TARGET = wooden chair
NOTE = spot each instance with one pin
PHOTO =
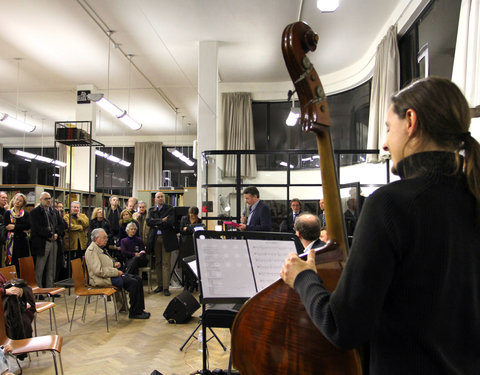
(87, 284)
(10, 272)
(85, 291)
(27, 273)
(51, 343)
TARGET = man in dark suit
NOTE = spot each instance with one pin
(287, 224)
(259, 217)
(307, 228)
(46, 227)
(162, 239)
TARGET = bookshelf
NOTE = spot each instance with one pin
(176, 197)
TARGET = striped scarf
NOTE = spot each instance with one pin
(11, 236)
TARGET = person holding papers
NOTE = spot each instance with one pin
(259, 217)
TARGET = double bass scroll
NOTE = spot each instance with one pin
(272, 333)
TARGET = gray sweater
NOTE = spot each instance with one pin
(411, 285)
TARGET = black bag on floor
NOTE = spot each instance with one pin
(181, 308)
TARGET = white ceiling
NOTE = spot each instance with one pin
(61, 47)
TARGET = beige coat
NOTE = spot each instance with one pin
(100, 266)
(78, 231)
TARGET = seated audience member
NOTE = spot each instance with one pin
(133, 250)
(187, 225)
(307, 228)
(98, 220)
(18, 319)
(126, 217)
(296, 209)
(103, 271)
(323, 234)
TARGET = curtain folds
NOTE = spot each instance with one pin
(466, 64)
(62, 156)
(385, 82)
(238, 125)
(147, 167)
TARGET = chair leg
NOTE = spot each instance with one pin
(54, 320)
(84, 314)
(73, 312)
(66, 306)
(114, 300)
(55, 362)
(35, 323)
(106, 316)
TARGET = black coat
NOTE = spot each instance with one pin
(40, 231)
(155, 222)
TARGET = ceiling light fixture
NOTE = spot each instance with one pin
(112, 158)
(15, 123)
(3, 164)
(28, 156)
(328, 5)
(294, 114)
(111, 108)
(180, 156)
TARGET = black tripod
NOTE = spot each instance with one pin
(204, 341)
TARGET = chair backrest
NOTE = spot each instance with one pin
(3, 331)
(9, 272)
(85, 272)
(77, 273)
(27, 271)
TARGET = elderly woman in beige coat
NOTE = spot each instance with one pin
(103, 270)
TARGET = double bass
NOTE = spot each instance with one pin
(272, 333)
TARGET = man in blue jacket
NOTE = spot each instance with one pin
(259, 217)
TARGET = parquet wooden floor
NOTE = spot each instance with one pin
(131, 347)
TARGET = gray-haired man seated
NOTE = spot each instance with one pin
(103, 270)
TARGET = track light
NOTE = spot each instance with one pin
(15, 123)
(180, 156)
(112, 158)
(114, 110)
(28, 156)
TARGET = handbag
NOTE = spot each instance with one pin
(10, 362)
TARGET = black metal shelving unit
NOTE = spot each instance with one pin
(74, 134)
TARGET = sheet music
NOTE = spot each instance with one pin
(225, 268)
(267, 259)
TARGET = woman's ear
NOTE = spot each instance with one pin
(411, 117)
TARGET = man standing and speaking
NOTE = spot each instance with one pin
(259, 217)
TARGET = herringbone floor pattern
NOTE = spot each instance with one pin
(132, 346)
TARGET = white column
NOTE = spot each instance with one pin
(207, 108)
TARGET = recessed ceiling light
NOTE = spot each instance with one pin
(328, 5)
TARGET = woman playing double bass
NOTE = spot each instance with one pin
(411, 284)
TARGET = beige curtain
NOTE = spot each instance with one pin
(385, 82)
(147, 168)
(62, 156)
(466, 64)
(238, 125)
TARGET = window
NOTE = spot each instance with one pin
(349, 112)
(428, 47)
(114, 178)
(26, 171)
(181, 174)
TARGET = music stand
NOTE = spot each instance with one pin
(224, 296)
(191, 262)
